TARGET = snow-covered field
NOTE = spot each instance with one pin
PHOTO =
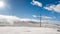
(28, 30)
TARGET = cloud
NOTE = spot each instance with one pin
(13, 20)
(47, 17)
(43, 17)
(55, 8)
(34, 16)
(36, 3)
(27, 19)
(8, 19)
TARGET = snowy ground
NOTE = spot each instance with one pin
(27, 30)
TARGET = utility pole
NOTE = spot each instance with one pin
(40, 19)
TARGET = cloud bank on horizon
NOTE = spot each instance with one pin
(15, 21)
(12, 19)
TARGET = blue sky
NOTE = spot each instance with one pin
(28, 9)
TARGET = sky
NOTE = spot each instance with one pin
(49, 9)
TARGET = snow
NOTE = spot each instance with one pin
(28, 30)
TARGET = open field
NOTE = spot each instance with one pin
(28, 30)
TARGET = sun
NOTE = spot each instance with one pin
(1, 4)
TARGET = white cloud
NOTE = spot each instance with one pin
(27, 19)
(47, 17)
(36, 3)
(43, 17)
(8, 19)
(13, 19)
(34, 16)
(55, 8)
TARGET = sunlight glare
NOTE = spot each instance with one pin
(1, 4)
